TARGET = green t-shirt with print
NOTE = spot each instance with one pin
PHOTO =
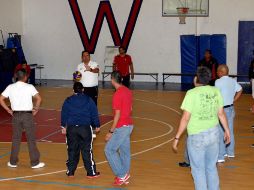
(203, 103)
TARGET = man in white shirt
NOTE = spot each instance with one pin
(21, 96)
(90, 73)
(231, 91)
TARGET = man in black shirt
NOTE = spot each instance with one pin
(210, 62)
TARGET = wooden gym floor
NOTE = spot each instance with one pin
(154, 165)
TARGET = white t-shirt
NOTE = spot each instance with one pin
(228, 88)
(20, 95)
(88, 79)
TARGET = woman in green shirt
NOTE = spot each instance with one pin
(202, 109)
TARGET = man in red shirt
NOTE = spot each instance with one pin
(123, 64)
(23, 65)
(117, 149)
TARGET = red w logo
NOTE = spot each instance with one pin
(105, 10)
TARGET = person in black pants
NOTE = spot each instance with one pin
(79, 113)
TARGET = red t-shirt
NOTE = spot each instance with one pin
(20, 66)
(122, 100)
(122, 64)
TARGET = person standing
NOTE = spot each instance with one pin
(79, 112)
(124, 65)
(202, 106)
(210, 62)
(21, 96)
(90, 73)
(231, 92)
(117, 149)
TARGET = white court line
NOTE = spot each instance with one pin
(102, 162)
(51, 119)
(99, 163)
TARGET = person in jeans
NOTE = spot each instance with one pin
(117, 149)
(21, 96)
(79, 112)
(231, 91)
(202, 106)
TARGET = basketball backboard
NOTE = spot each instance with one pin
(192, 8)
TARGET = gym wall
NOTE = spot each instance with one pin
(10, 17)
(51, 37)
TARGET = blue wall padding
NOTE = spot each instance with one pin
(219, 47)
(245, 47)
(189, 49)
(193, 49)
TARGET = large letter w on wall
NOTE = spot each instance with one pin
(105, 10)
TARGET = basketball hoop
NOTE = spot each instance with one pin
(182, 12)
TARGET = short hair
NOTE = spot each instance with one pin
(121, 47)
(85, 51)
(204, 75)
(208, 51)
(21, 74)
(115, 75)
(24, 62)
(78, 87)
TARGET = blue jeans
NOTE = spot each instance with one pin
(186, 155)
(118, 152)
(228, 149)
(203, 150)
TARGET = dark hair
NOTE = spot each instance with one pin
(121, 47)
(78, 87)
(204, 75)
(23, 62)
(208, 51)
(116, 76)
(85, 51)
(21, 74)
(252, 63)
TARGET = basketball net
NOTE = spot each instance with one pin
(182, 12)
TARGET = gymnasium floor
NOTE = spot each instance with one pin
(154, 165)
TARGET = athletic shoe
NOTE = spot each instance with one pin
(184, 164)
(40, 165)
(69, 174)
(225, 155)
(120, 181)
(231, 156)
(11, 165)
(221, 161)
(97, 174)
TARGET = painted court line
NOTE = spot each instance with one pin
(102, 162)
(99, 163)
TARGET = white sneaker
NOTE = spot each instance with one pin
(11, 165)
(231, 156)
(94, 136)
(225, 155)
(221, 161)
(40, 165)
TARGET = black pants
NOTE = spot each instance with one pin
(92, 92)
(79, 139)
(126, 81)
